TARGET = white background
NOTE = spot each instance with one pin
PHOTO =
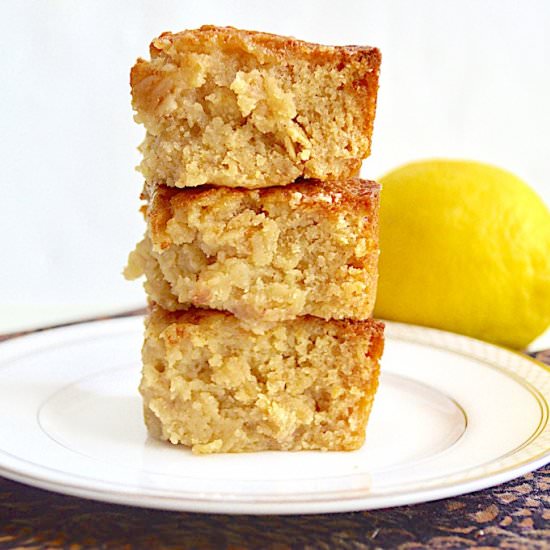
(463, 79)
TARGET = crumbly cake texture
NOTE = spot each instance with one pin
(265, 255)
(212, 385)
(238, 108)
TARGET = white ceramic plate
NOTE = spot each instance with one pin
(452, 415)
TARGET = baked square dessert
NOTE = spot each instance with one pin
(266, 255)
(237, 108)
(213, 385)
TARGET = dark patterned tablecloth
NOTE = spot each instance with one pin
(512, 515)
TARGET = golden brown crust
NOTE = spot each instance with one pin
(349, 190)
(353, 192)
(372, 327)
(269, 46)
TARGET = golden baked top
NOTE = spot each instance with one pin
(330, 196)
(265, 47)
(372, 328)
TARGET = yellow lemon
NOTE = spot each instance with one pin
(465, 247)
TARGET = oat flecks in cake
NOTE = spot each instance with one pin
(261, 247)
(238, 108)
(265, 255)
(212, 385)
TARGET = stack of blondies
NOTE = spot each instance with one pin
(261, 248)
